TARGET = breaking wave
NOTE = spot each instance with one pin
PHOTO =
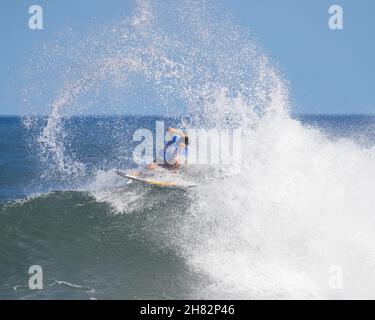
(302, 203)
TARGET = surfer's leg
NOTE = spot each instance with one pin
(177, 165)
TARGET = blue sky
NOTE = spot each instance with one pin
(329, 71)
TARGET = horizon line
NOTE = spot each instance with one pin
(160, 115)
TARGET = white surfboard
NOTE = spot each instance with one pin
(147, 181)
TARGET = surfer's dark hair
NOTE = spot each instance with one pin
(186, 140)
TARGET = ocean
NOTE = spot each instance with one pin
(99, 238)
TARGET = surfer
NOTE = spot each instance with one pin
(175, 152)
(172, 156)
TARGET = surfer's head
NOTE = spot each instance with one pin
(186, 140)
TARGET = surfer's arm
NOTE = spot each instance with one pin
(176, 131)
